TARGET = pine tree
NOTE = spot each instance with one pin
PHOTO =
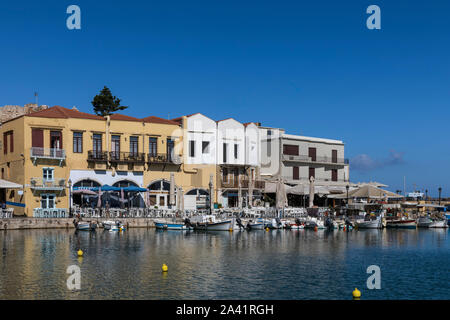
(106, 104)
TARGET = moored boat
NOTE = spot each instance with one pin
(424, 222)
(210, 223)
(438, 224)
(85, 226)
(171, 225)
(113, 226)
(401, 223)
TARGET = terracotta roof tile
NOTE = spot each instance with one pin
(59, 112)
(122, 117)
(153, 119)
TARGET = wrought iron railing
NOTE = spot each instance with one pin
(50, 213)
(126, 156)
(163, 158)
(44, 184)
(321, 159)
(94, 155)
(47, 153)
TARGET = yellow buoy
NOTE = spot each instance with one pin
(267, 229)
(164, 268)
(231, 229)
(356, 294)
(80, 252)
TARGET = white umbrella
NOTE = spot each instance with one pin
(172, 190)
(181, 198)
(281, 194)
(311, 191)
(239, 194)
(211, 191)
(250, 191)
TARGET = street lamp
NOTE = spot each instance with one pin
(70, 197)
(347, 187)
(426, 194)
(440, 190)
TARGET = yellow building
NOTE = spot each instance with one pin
(59, 153)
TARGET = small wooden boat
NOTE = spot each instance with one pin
(210, 223)
(370, 223)
(167, 225)
(113, 226)
(401, 223)
(85, 225)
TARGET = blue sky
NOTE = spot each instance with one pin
(311, 67)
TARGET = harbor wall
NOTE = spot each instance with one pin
(65, 223)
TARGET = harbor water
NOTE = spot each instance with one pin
(276, 264)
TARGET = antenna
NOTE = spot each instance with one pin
(37, 98)
(404, 185)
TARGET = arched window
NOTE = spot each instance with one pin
(197, 192)
(124, 184)
(160, 185)
(85, 184)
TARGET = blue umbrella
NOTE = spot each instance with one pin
(133, 189)
(107, 187)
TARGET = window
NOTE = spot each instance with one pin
(56, 140)
(334, 156)
(134, 145)
(205, 147)
(269, 143)
(153, 146)
(191, 148)
(97, 145)
(8, 138)
(77, 142)
(312, 173)
(115, 147)
(334, 175)
(236, 150)
(312, 154)
(225, 175)
(225, 149)
(290, 149)
(295, 173)
(47, 174)
(47, 201)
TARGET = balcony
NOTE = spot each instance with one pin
(127, 157)
(163, 158)
(320, 160)
(47, 153)
(47, 185)
(97, 156)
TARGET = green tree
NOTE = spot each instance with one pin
(106, 104)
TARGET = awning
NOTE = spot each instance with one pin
(4, 184)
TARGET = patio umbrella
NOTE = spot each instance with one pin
(239, 194)
(181, 198)
(211, 191)
(250, 192)
(99, 201)
(84, 191)
(172, 190)
(311, 191)
(122, 198)
(281, 194)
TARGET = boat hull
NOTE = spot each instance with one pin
(374, 224)
(402, 224)
(171, 226)
(214, 226)
(439, 224)
(256, 226)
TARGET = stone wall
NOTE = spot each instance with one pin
(9, 112)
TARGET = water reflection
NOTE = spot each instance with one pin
(279, 264)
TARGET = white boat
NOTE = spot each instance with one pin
(86, 226)
(370, 222)
(258, 224)
(210, 223)
(438, 224)
(171, 225)
(113, 225)
(402, 223)
(313, 223)
(276, 223)
(424, 222)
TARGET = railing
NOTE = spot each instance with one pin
(163, 158)
(94, 155)
(126, 156)
(321, 159)
(43, 184)
(47, 153)
(304, 179)
(234, 183)
(6, 213)
(50, 213)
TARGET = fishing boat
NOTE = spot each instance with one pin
(441, 223)
(85, 226)
(275, 223)
(210, 223)
(297, 225)
(403, 223)
(424, 222)
(370, 222)
(258, 224)
(113, 225)
(313, 223)
(171, 225)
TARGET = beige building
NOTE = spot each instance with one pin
(58, 152)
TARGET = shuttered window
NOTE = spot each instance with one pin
(290, 149)
(295, 173)
(312, 153)
(312, 172)
(77, 142)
